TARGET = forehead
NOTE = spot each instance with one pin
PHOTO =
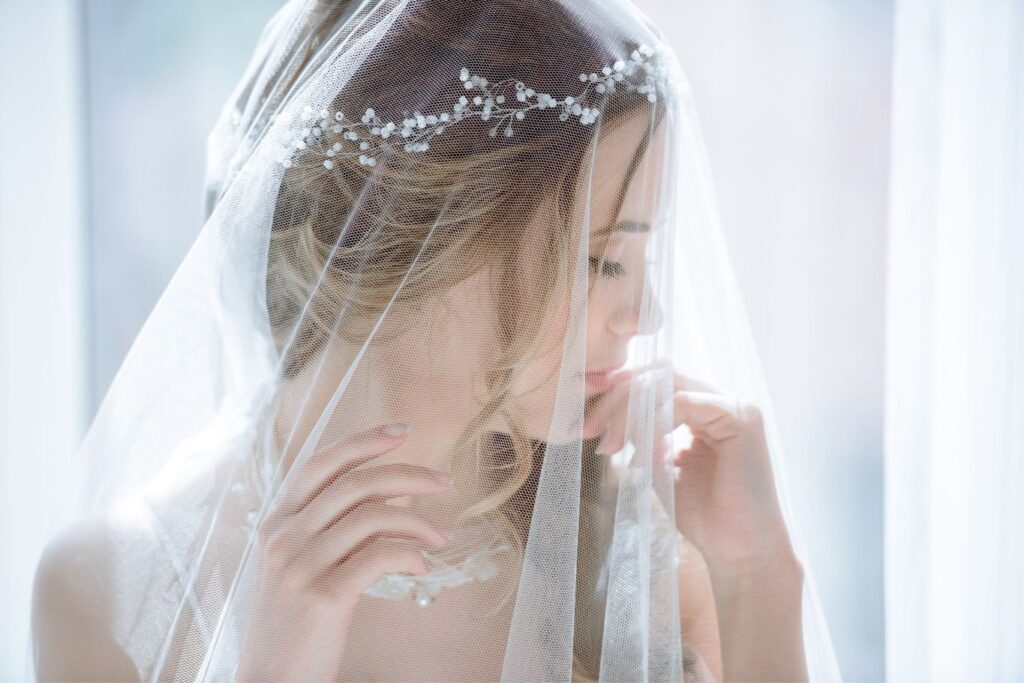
(613, 207)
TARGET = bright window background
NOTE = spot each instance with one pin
(794, 100)
(156, 76)
(104, 110)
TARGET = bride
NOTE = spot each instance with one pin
(410, 410)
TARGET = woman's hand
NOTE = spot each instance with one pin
(725, 497)
(325, 541)
(726, 505)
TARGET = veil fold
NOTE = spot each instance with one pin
(490, 224)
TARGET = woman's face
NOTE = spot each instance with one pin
(614, 315)
(431, 376)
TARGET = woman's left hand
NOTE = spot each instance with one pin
(725, 496)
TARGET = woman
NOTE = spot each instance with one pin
(415, 385)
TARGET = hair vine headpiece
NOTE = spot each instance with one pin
(337, 136)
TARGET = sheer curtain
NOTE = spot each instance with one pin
(43, 350)
(955, 358)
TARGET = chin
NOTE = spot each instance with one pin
(590, 429)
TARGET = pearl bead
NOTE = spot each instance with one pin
(604, 81)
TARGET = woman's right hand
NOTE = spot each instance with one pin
(329, 536)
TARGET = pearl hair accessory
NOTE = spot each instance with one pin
(336, 136)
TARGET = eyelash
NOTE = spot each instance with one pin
(611, 268)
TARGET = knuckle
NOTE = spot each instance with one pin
(277, 544)
(751, 412)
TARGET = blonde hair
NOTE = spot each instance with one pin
(337, 245)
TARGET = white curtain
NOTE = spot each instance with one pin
(955, 344)
(43, 268)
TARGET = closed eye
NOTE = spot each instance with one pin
(611, 268)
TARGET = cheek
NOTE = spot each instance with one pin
(538, 385)
(551, 344)
(539, 378)
(597, 318)
(599, 307)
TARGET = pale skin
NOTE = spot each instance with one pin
(743, 572)
(744, 576)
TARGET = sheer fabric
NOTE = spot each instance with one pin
(954, 442)
(491, 226)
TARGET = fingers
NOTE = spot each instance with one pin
(379, 556)
(683, 382)
(367, 521)
(378, 482)
(344, 516)
(614, 438)
(335, 459)
(709, 413)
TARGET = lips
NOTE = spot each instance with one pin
(600, 379)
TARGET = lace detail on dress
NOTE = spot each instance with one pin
(477, 566)
(480, 545)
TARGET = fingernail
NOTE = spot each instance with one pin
(397, 429)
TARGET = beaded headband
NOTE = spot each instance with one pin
(336, 136)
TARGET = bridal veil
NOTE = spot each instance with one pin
(490, 225)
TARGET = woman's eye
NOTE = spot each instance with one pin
(611, 268)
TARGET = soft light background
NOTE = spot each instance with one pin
(954, 436)
(104, 108)
(794, 102)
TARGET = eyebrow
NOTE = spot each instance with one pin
(625, 226)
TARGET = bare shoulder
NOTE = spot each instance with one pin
(82, 545)
(73, 567)
(70, 607)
